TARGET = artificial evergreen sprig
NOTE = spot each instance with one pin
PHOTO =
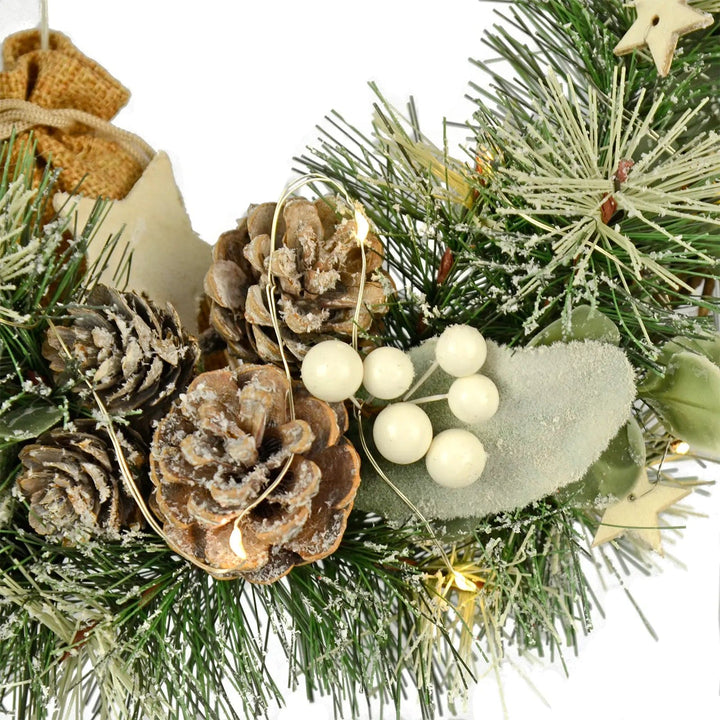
(603, 202)
(87, 627)
(430, 212)
(576, 39)
(41, 271)
(609, 141)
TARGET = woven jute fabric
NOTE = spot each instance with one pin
(67, 100)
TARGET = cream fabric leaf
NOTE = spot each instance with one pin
(559, 408)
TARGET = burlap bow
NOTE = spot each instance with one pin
(67, 100)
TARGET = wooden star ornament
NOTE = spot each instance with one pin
(658, 26)
(639, 511)
(169, 259)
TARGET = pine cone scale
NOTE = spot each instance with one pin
(330, 420)
(204, 487)
(74, 485)
(342, 462)
(255, 310)
(316, 541)
(237, 498)
(317, 266)
(223, 282)
(136, 354)
(300, 484)
(279, 526)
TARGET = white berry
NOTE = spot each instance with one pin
(456, 458)
(460, 350)
(473, 399)
(332, 371)
(389, 372)
(402, 433)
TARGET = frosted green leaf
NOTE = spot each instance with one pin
(615, 471)
(687, 399)
(584, 323)
(26, 423)
(709, 348)
(560, 406)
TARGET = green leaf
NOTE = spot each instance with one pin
(687, 399)
(709, 348)
(26, 423)
(585, 323)
(615, 472)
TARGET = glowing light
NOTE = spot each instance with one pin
(363, 226)
(484, 159)
(236, 543)
(680, 447)
(462, 583)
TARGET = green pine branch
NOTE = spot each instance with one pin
(127, 629)
(575, 39)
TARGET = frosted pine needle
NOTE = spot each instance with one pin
(708, 6)
(581, 166)
(417, 151)
(20, 257)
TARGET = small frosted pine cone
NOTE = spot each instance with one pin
(223, 444)
(73, 483)
(317, 266)
(137, 356)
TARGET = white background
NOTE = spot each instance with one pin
(232, 91)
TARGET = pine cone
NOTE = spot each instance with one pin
(317, 265)
(136, 355)
(224, 443)
(72, 481)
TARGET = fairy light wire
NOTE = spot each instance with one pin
(127, 475)
(403, 497)
(362, 227)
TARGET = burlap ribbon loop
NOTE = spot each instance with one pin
(21, 116)
(67, 100)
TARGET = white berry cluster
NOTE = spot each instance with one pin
(403, 434)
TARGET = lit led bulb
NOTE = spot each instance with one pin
(332, 371)
(460, 350)
(388, 373)
(402, 433)
(455, 459)
(473, 399)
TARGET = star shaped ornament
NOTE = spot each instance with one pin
(169, 259)
(659, 24)
(639, 512)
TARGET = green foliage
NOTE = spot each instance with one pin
(601, 201)
(90, 626)
(428, 212)
(129, 630)
(126, 629)
(560, 406)
(26, 423)
(586, 207)
(687, 397)
(615, 471)
(575, 39)
(584, 323)
(41, 271)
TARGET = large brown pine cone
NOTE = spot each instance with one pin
(317, 265)
(136, 355)
(72, 480)
(223, 444)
